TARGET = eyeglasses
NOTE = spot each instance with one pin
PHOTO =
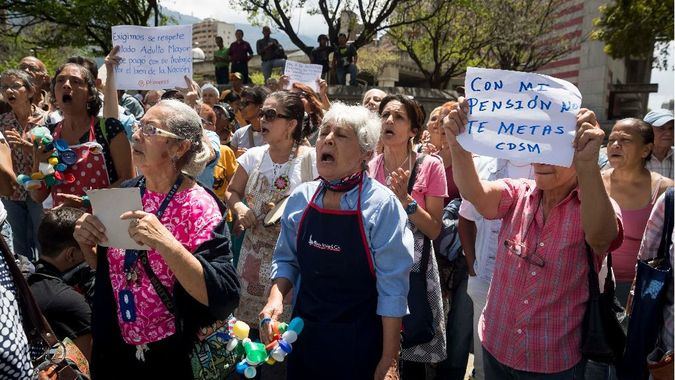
(151, 130)
(270, 114)
(13, 86)
(519, 250)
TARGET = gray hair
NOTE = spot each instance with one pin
(366, 124)
(183, 121)
(26, 79)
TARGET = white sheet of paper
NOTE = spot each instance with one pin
(305, 73)
(153, 58)
(525, 117)
(108, 205)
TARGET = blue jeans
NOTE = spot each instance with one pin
(267, 66)
(494, 370)
(341, 72)
(24, 218)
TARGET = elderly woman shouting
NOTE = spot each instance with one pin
(349, 270)
(149, 303)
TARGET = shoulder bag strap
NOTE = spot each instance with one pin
(426, 248)
(160, 289)
(666, 236)
(34, 321)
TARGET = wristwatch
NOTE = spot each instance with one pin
(411, 208)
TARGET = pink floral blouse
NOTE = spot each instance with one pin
(191, 217)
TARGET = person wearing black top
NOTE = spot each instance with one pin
(320, 54)
(271, 53)
(344, 60)
(66, 309)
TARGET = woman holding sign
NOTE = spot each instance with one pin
(635, 189)
(345, 249)
(88, 152)
(418, 180)
(149, 304)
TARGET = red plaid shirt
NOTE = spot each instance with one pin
(536, 303)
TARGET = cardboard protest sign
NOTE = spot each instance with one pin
(304, 73)
(153, 58)
(108, 205)
(525, 117)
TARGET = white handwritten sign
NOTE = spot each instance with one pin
(304, 73)
(153, 58)
(526, 117)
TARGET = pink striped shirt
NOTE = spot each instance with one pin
(533, 317)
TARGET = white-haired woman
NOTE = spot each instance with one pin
(149, 303)
(349, 269)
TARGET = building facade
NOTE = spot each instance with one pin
(204, 35)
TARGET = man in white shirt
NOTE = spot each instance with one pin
(661, 160)
(479, 238)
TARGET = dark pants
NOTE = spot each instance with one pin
(241, 68)
(494, 370)
(459, 326)
(222, 75)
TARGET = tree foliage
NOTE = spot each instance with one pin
(444, 45)
(76, 23)
(12, 49)
(631, 29)
(367, 17)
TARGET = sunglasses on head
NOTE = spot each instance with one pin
(151, 130)
(270, 114)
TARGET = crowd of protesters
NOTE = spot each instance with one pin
(365, 198)
(340, 56)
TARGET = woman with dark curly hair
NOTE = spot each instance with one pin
(98, 153)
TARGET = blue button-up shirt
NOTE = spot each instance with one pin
(389, 239)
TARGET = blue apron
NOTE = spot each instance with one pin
(337, 298)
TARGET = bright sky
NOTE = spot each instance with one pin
(222, 10)
(313, 25)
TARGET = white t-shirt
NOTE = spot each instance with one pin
(240, 138)
(260, 155)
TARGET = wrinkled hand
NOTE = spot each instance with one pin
(284, 82)
(323, 87)
(588, 139)
(429, 148)
(399, 184)
(387, 369)
(240, 151)
(49, 373)
(89, 231)
(273, 309)
(40, 154)
(245, 215)
(426, 136)
(147, 230)
(454, 122)
(16, 141)
(113, 60)
(70, 200)
(192, 93)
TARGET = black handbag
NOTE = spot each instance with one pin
(652, 280)
(603, 337)
(418, 326)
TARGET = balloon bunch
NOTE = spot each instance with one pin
(52, 172)
(255, 353)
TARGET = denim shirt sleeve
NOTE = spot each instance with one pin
(392, 246)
